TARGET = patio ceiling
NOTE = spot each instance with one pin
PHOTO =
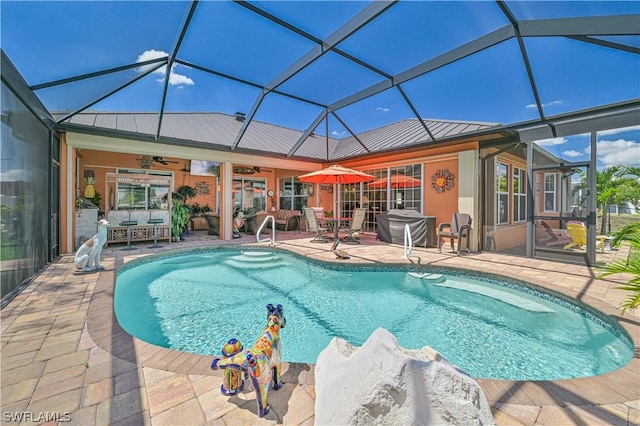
(334, 73)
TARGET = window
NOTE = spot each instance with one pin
(502, 193)
(519, 195)
(249, 195)
(294, 194)
(141, 197)
(549, 192)
(406, 187)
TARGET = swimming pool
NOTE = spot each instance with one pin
(195, 301)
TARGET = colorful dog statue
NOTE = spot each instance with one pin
(260, 363)
(87, 258)
(232, 383)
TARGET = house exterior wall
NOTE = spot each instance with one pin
(509, 235)
(461, 160)
(112, 149)
(442, 205)
(468, 190)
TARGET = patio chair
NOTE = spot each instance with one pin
(357, 223)
(554, 238)
(578, 234)
(319, 211)
(314, 225)
(457, 229)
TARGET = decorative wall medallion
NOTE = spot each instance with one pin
(442, 181)
(202, 188)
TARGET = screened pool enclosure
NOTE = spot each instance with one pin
(328, 76)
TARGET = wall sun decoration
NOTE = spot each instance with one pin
(442, 180)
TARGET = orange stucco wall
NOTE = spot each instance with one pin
(102, 163)
(441, 205)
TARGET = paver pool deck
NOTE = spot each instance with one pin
(64, 357)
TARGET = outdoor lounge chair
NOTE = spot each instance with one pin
(357, 223)
(314, 225)
(456, 230)
(554, 238)
(578, 234)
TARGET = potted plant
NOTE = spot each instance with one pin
(180, 212)
(184, 193)
(179, 219)
(196, 210)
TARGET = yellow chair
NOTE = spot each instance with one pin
(578, 234)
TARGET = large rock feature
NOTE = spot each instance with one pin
(383, 384)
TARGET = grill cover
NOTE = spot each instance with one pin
(390, 227)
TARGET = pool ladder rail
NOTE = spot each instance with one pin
(273, 230)
(408, 242)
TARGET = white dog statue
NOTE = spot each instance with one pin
(87, 258)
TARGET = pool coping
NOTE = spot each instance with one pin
(618, 386)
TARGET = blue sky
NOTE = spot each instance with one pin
(53, 40)
(613, 147)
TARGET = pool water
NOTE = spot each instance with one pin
(196, 302)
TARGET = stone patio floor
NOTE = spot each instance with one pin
(65, 359)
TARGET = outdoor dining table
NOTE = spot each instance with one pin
(336, 223)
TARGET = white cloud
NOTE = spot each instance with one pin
(338, 134)
(13, 175)
(616, 131)
(551, 142)
(572, 153)
(619, 152)
(149, 55)
(175, 79)
(382, 109)
(534, 106)
(180, 80)
(18, 175)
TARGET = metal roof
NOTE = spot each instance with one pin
(218, 131)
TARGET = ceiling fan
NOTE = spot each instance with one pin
(163, 161)
(146, 161)
(249, 170)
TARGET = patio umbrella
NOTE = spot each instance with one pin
(336, 174)
(397, 181)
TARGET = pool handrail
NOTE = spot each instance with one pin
(407, 239)
(273, 230)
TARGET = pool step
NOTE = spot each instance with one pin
(432, 278)
(256, 257)
(503, 296)
(254, 260)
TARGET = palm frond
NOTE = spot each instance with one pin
(622, 267)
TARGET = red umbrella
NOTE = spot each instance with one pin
(336, 174)
(397, 181)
